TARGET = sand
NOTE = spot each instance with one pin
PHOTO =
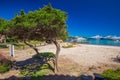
(88, 55)
(89, 58)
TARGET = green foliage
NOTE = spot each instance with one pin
(3, 46)
(44, 55)
(68, 46)
(40, 75)
(30, 69)
(112, 74)
(43, 72)
(4, 25)
(41, 24)
(54, 22)
(4, 66)
(9, 40)
(45, 66)
(35, 70)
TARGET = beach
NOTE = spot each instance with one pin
(87, 55)
(98, 57)
(77, 60)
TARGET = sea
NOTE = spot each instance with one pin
(106, 42)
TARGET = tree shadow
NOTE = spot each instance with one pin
(32, 65)
(28, 62)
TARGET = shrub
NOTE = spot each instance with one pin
(5, 64)
(3, 46)
(35, 70)
(40, 75)
(44, 55)
(10, 40)
(42, 72)
(4, 67)
(112, 74)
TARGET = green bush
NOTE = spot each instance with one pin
(40, 75)
(10, 40)
(3, 46)
(4, 67)
(35, 70)
(43, 72)
(44, 55)
(112, 74)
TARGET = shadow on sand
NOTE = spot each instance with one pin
(33, 63)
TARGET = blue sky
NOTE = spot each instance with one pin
(85, 17)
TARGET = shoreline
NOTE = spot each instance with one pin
(91, 44)
(100, 45)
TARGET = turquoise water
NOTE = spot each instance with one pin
(93, 41)
(104, 42)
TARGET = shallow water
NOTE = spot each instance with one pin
(104, 42)
(109, 42)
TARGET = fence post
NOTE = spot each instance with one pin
(12, 50)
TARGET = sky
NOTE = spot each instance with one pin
(85, 17)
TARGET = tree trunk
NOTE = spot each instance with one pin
(30, 45)
(56, 56)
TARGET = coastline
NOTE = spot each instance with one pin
(100, 45)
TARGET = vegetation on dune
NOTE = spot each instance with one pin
(112, 74)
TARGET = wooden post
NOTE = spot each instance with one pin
(12, 50)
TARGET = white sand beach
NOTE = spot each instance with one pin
(89, 58)
(87, 55)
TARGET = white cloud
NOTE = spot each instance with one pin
(97, 37)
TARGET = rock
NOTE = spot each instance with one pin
(118, 58)
(27, 77)
(85, 77)
(98, 77)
